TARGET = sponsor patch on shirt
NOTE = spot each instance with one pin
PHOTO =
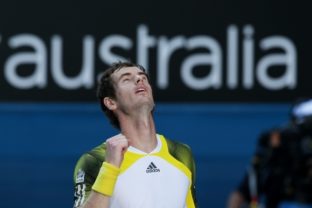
(152, 168)
(80, 176)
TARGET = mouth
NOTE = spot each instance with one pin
(140, 90)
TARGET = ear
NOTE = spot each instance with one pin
(110, 103)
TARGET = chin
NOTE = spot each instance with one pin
(149, 104)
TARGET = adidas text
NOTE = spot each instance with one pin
(152, 170)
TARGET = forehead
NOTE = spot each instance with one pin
(125, 70)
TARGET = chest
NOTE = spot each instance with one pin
(151, 181)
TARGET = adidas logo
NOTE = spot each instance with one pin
(152, 168)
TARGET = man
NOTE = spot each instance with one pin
(269, 173)
(282, 165)
(136, 168)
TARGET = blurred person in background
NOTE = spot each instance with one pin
(280, 174)
(138, 167)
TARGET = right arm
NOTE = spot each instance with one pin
(101, 189)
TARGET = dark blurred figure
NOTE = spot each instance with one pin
(280, 174)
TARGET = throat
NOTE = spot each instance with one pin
(145, 148)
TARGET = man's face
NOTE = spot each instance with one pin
(132, 89)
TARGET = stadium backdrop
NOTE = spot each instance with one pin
(222, 71)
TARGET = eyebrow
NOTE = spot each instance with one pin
(124, 75)
(129, 74)
(142, 73)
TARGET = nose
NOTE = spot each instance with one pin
(138, 79)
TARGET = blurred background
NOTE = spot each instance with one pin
(222, 72)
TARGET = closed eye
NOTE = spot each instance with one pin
(143, 75)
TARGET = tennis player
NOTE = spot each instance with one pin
(136, 168)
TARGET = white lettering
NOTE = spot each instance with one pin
(289, 59)
(242, 68)
(85, 78)
(232, 57)
(213, 79)
(248, 57)
(144, 42)
(110, 42)
(37, 57)
(165, 50)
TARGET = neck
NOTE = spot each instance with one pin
(140, 131)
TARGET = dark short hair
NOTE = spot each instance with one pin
(106, 88)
